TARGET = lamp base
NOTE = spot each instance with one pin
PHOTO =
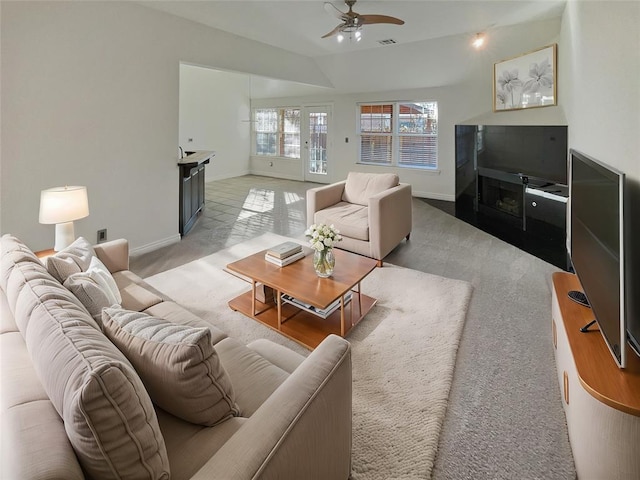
(64, 236)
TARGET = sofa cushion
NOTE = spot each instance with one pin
(73, 259)
(361, 186)
(254, 378)
(174, 313)
(177, 364)
(190, 446)
(136, 294)
(351, 219)
(107, 413)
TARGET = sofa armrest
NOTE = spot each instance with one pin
(114, 254)
(322, 197)
(390, 219)
(303, 430)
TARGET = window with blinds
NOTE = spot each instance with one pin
(399, 134)
(277, 132)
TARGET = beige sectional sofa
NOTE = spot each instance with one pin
(73, 405)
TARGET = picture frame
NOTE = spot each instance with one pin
(526, 81)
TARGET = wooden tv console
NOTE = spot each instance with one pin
(600, 400)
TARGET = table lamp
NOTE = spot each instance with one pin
(63, 205)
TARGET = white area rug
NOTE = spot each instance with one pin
(403, 353)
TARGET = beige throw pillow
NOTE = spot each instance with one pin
(177, 363)
(73, 259)
(360, 186)
(96, 289)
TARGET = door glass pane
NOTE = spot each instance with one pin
(318, 143)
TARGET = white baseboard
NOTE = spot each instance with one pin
(434, 196)
(270, 173)
(150, 247)
(215, 178)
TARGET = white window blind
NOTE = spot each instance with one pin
(376, 123)
(277, 132)
(401, 133)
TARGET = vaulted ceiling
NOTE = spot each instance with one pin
(298, 25)
(431, 49)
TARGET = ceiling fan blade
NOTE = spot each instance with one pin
(371, 19)
(333, 32)
(331, 9)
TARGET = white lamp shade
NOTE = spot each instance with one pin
(63, 204)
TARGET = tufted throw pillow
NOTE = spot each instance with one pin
(73, 259)
(177, 363)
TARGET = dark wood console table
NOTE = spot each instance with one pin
(192, 187)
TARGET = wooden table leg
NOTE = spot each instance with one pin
(342, 316)
(279, 305)
(253, 298)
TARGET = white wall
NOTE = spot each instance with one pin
(601, 87)
(214, 114)
(470, 97)
(600, 81)
(90, 96)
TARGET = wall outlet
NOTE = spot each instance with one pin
(102, 235)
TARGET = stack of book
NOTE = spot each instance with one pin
(320, 312)
(284, 254)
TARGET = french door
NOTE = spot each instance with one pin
(315, 142)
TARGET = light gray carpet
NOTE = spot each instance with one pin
(403, 353)
(505, 417)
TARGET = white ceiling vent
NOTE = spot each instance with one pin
(388, 41)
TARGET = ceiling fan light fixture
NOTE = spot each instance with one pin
(340, 38)
(352, 22)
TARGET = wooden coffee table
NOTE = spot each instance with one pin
(300, 281)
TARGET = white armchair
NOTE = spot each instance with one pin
(372, 212)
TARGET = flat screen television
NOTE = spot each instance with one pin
(596, 193)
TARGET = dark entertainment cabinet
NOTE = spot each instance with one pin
(511, 182)
(192, 189)
(519, 200)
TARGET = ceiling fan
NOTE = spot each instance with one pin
(352, 22)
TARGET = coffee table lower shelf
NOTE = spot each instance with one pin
(301, 326)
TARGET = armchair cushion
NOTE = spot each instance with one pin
(361, 186)
(350, 219)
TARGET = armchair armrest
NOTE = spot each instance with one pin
(322, 197)
(390, 219)
(114, 254)
(303, 430)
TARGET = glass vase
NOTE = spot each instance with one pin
(324, 262)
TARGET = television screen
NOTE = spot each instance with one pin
(596, 195)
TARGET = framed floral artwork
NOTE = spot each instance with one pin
(526, 81)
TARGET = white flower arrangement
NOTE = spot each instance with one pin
(323, 237)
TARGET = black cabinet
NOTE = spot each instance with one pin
(191, 194)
